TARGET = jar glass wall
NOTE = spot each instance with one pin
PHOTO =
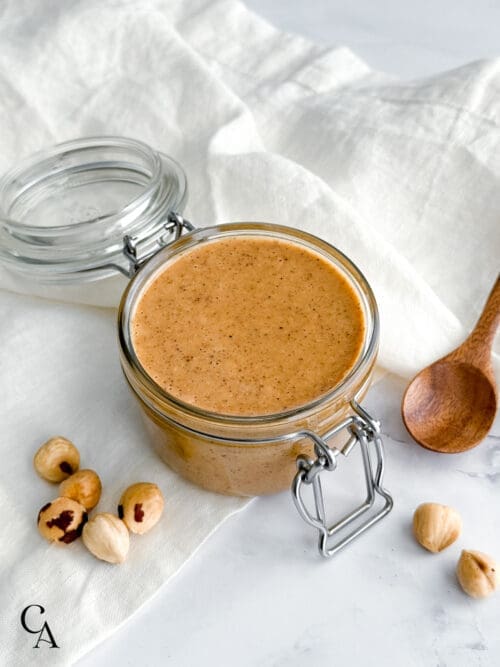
(230, 454)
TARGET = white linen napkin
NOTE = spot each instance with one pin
(403, 177)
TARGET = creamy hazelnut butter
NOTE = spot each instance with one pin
(233, 338)
(248, 326)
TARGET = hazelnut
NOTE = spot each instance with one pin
(141, 506)
(107, 538)
(84, 487)
(477, 573)
(56, 459)
(436, 526)
(61, 520)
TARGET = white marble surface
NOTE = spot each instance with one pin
(257, 594)
(409, 39)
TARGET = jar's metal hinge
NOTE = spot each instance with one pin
(139, 250)
(362, 429)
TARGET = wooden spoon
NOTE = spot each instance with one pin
(450, 406)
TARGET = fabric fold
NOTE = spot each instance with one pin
(401, 176)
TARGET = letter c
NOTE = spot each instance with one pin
(23, 618)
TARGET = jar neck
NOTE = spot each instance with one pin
(320, 417)
(158, 400)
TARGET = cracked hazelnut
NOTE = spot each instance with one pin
(62, 520)
(84, 487)
(57, 459)
(107, 538)
(477, 574)
(141, 507)
(436, 526)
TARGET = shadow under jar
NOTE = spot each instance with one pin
(85, 219)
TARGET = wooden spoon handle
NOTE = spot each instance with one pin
(478, 345)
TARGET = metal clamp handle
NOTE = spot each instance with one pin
(170, 232)
(361, 429)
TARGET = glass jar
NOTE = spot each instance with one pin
(77, 222)
(184, 434)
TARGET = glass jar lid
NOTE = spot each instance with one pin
(66, 213)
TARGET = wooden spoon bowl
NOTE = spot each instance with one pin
(456, 417)
(450, 406)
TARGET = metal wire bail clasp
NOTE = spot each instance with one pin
(362, 429)
(171, 230)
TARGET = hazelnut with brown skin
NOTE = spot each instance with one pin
(56, 459)
(107, 538)
(84, 486)
(141, 507)
(62, 520)
(478, 574)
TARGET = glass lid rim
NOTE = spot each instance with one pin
(366, 358)
(87, 143)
